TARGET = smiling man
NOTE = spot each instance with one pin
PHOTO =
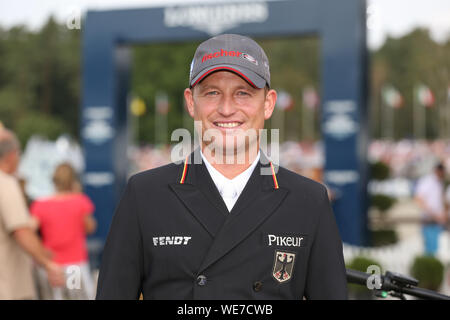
(224, 228)
(229, 111)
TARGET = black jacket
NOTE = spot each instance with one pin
(173, 240)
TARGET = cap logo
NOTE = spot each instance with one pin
(250, 58)
(219, 54)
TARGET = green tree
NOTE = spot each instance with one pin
(405, 62)
(39, 79)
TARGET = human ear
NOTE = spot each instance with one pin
(269, 103)
(189, 98)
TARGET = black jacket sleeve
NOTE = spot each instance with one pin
(121, 270)
(326, 277)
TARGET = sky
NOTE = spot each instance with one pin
(385, 17)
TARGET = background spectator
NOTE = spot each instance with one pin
(430, 198)
(64, 220)
(18, 241)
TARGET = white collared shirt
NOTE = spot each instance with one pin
(230, 189)
(431, 190)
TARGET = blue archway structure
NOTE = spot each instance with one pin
(341, 28)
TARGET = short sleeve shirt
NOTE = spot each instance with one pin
(431, 191)
(16, 280)
(62, 228)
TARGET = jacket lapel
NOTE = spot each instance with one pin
(207, 186)
(201, 197)
(258, 201)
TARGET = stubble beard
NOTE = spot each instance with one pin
(233, 149)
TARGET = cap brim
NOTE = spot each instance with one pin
(251, 77)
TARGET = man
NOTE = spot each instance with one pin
(429, 196)
(224, 229)
(18, 240)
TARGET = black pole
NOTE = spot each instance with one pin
(397, 283)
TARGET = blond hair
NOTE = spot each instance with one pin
(65, 177)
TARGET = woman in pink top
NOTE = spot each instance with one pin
(65, 219)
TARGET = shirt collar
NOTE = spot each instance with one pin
(237, 182)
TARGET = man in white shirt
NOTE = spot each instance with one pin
(429, 195)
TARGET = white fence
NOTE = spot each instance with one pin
(400, 256)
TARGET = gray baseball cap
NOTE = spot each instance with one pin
(234, 53)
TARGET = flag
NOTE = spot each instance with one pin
(392, 97)
(284, 101)
(424, 95)
(137, 107)
(310, 98)
(162, 103)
